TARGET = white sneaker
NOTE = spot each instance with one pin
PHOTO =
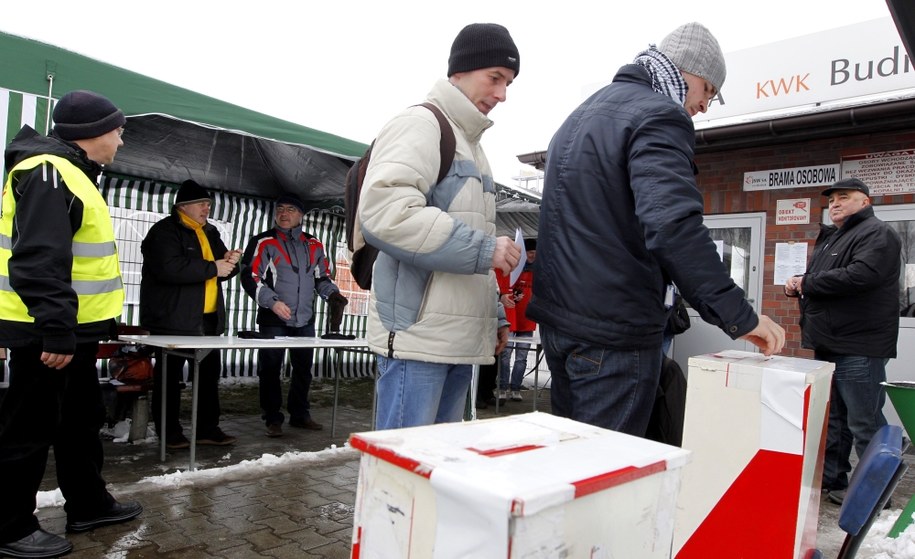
(516, 396)
(502, 395)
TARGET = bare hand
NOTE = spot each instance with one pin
(502, 340)
(56, 360)
(794, 286)
(506, 255)
(233, 256)
(224, 268)
(507, 301)
(767, 336)
(281, 310)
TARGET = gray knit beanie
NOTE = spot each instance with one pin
(693, 49)
(483, 45)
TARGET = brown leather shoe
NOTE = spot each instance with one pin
(216, 438)
(177, 442)
(309, 424)
(274, 430)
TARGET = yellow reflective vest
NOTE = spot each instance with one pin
(96, 274)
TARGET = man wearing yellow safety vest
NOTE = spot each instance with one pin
(60, 291)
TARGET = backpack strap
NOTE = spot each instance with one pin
(448, 143)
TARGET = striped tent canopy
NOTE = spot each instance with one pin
(173, 133)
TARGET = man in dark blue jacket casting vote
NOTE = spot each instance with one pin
(621, 220)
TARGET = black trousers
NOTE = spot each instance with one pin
(46, 408)
(269, 364)
(207, 393)
(487, 381)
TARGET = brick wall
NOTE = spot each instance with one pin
(720, 180)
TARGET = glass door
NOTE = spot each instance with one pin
(740, 242)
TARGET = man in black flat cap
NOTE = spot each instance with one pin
(60, 291)
(184, 263)
(849, 302)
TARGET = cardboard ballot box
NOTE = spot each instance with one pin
(757, 430)
(530, 485)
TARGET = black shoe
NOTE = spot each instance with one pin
(215, 438)
(117, 513)
(482, 405)
(37, 544)
(309, 424)
(836, 496)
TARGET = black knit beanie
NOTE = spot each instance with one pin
(85, 114)
(483, 45)
(191, 192)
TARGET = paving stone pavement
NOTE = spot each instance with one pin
(289, 510)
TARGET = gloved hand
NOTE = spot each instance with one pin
(338, 298)
(337, 303)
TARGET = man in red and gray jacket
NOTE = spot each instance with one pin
(282, 268)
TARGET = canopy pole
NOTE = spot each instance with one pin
(47, 122)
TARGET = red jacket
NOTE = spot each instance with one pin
(518, 315)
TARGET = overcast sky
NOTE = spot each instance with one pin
(346, 67)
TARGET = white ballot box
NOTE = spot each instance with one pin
(530, 485)
(757, 429)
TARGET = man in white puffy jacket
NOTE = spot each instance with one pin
(433, 312)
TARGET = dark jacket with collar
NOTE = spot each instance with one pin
(850, 302)
(621, 217)
(173, 285)
(47, 217)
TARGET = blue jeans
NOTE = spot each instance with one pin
(414, 393)
(520, 363)
(855, 412)
(269, 364)
(609, 388)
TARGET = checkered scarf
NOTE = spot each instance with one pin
(666, 79)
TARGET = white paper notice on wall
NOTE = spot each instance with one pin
(790, 260)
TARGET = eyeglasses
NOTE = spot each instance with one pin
(286, 209)
(120, 131)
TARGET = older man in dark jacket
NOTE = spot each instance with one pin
(184, 263)
(849, 301)
(621, 219)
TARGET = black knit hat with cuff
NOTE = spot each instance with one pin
(83, 114)
(483, 45)
(191, 192)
